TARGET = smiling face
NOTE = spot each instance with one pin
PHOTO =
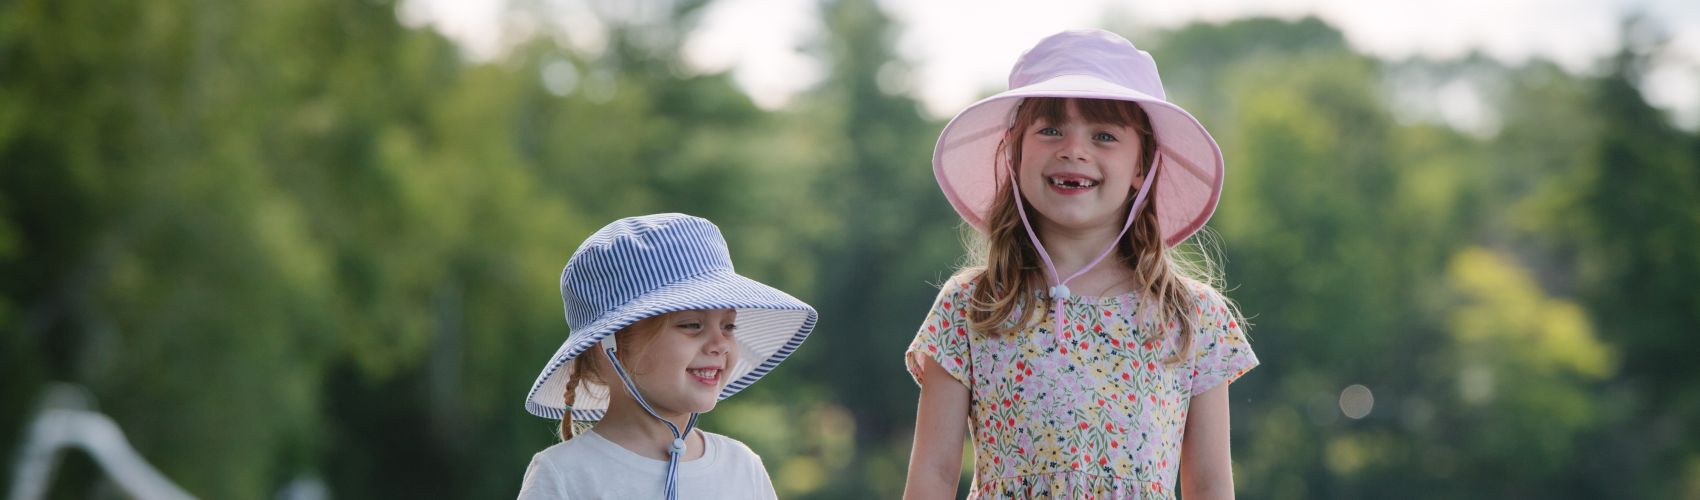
(1078, 170)
(683, 366)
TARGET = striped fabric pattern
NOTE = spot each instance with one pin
(639, 267)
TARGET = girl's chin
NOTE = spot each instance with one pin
(703, 404)
(1082, 222)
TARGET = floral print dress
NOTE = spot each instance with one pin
(1090, 411)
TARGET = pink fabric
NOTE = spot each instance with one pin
(1093, 410)
(1091, 64)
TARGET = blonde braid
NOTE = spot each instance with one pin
(634, 340)
(583, 367)
(567, 418)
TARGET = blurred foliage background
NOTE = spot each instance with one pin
(299, 239)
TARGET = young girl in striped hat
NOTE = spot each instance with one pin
(661, 330)
(1081, 357)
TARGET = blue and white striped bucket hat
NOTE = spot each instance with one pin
(638, 267)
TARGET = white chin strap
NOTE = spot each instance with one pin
(678, 445)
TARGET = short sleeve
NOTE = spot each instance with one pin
(1220, 351)
(943, 335)
(542, 481)
(763, 484)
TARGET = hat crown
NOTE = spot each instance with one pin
(634, 256)
(1095, 53)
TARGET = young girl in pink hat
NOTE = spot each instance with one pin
(1080, 355)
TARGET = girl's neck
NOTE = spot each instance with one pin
(627, 425)
(1071, 250)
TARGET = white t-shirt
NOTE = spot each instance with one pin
(589, 466)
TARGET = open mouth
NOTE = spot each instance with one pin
(708, 376)
(1070, 182)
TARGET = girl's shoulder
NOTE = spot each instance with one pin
(961, 282)
(586, 443)
(732, 447)
(1204, 292)
(962, 278)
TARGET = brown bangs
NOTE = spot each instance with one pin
(1102, 111)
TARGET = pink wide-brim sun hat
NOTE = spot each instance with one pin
(1085, 64)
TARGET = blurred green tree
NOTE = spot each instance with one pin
(302, 239)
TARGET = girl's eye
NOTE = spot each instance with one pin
(692, 326)
(1050, 131)
(730, 327)
(1104, 137)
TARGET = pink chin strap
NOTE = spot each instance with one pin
(1059, 288)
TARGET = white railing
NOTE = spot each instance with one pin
(65, 422)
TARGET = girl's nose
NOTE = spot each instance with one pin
(720, 343)
(1072, 149)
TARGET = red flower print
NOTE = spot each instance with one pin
(1150, 366)
(1067, 335)
(947, 305)
(947, 323)
(961, 332)
(932, 329)
(1109, 427)
(1018, 378)
(1064, 350)
(1126, 376)
(1098, 328)
(1083, 344)
(996, 460)
(1115, 342)
(1071, 449)
(933, 349)
(1114, 444)
(1082, 427)
(1233, 324)
(1020, 365)
(1079, 327)
(1106, 313)
(1103, 461)
(1006, 402)
(1100, 401)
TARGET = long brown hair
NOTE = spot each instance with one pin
(1004, 266)
(588, 366)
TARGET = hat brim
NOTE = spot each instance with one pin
(964, 161)
(771, 325)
